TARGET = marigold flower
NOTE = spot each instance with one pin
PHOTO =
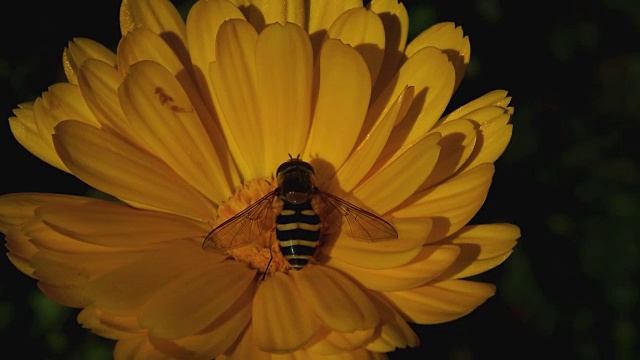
(185, 126)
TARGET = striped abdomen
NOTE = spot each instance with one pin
(298, 231)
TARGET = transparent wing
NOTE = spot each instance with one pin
(359, 223)
(239, 229)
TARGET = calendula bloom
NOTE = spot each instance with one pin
(185, 126)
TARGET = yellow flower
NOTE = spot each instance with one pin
(186, 121)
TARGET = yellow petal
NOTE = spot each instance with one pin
(62, 102)
(341, 105)
(335, 343)
(196, 298)
(159, 16)
(99, 84)
(440, 302)
(108, 325)
(394, 332)
(137, 347)
(158, 108)
(284, 67)
(112, 224)
(412, 233)
(246, 348)
(120, 283)
(203, 21)
(399, 179)
(81, 49)
(482, 247)
(448, 38)
(451, 204)
(432, 75)
(233, 79)
(282, 318)
(430, 262)
(493, 137)
(266, 12)
(24, 129)
(395, 19)
(216, 337)
(323, 13)
(495, 97)
(371, 145)
(362, 30)
(457, 145)
(111, 165)
(349, 309)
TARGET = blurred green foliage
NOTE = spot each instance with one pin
(568, 179)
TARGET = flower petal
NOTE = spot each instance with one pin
(451, 204)
(341, 106)
(284, 67)
(81, 49)
(267, 12)
(116, 225)
(24, 129)
(493, 135)
(482, 247)
(137, 347)
(430, 262)
(203, 22)
(362, 30)
(448, 38)
(370, 145)
(440, 302)
(158, 108)
(496, 98)
(117, 168)
(233, 79)
(282, 320)
(399, 178)
(395, 19)
(216, 337)
(329, 342)
(196, 298)
(349, 308)
(159, 16)
(108, 325)
(99, 84)
(322, 14)
(432, 75)
(394, 332)
(412, 233)
(457, 144)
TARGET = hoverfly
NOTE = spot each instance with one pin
(297, 223)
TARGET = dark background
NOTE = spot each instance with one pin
(568, 178)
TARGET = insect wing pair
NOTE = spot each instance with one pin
(260, 216)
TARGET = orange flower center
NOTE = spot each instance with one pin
(250, 236)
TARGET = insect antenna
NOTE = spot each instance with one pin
(266, 269)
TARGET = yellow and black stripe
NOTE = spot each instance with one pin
(298, 231)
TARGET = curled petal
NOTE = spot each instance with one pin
(81, 49)
(482, 247)
(448, 38)
(451, 204)
(430, 262)
(440, 302)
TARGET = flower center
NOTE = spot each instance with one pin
(249, 235)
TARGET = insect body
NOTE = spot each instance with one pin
(297, 223)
